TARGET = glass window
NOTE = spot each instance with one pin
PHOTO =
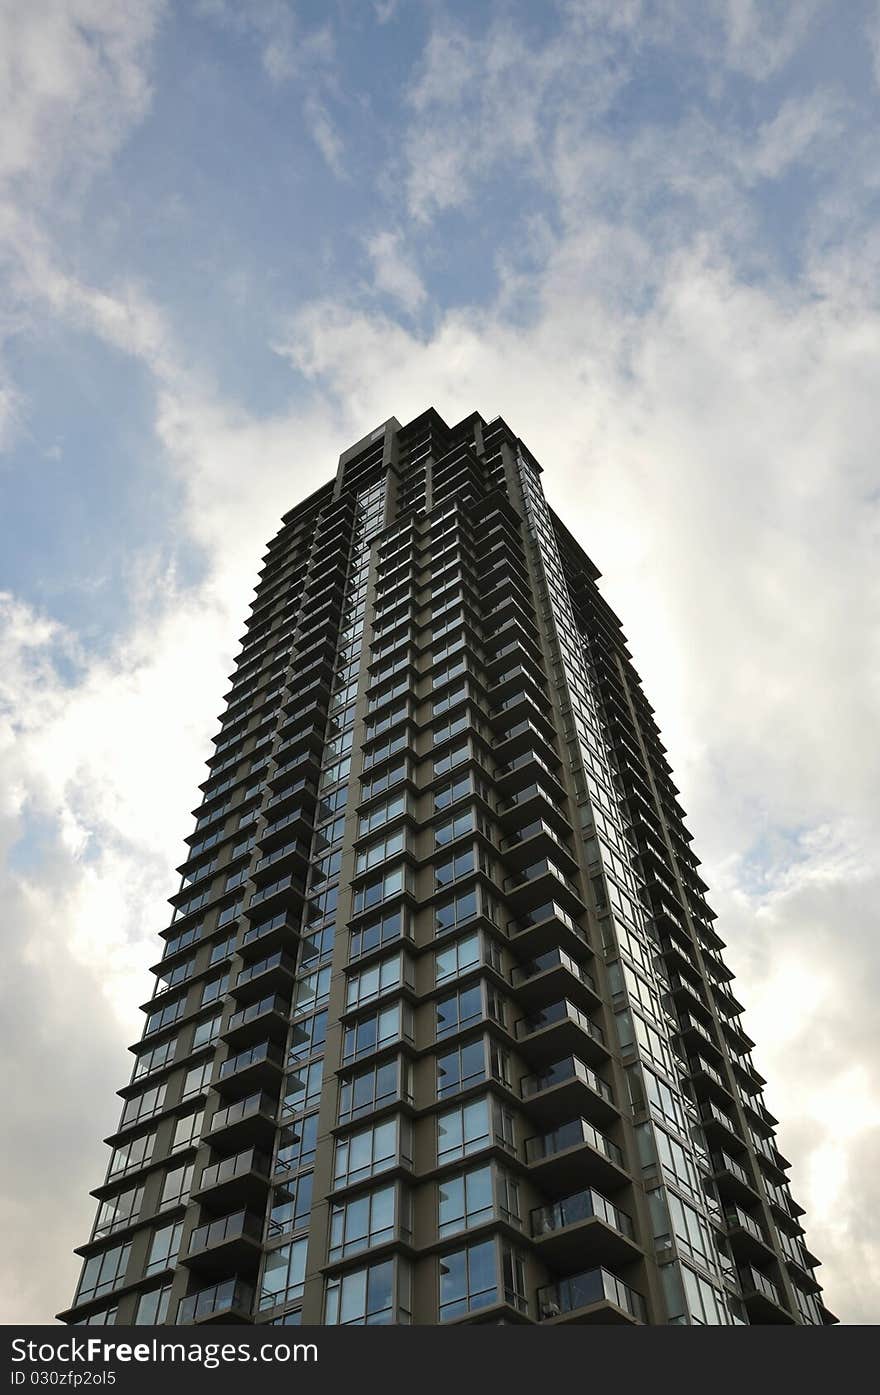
(465, 1200)
(456, 911)
(454, 868)
(460, 1068)
(152, 1307)
(103, 1272)
(188, 1131)
(309, 1036)
(311, 991)
(198, 1079)
(375, 1032)
(284, 1274)
(380, 931)
(371, 1151)
(135, 1153)
(163, 1250)
(460, 1010)
(463, 1130)
(362, 1223)
(303, 1088)
(176, 1187)
(456, 827)
(380, 851)
(365, 1297)
(291, 1206)
(372, 1089)
(297, 1144)
(120, 1210)
(379, 889)
(468, 1280)
(377, 979)
(457, 958)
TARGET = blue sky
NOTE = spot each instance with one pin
(234, 238)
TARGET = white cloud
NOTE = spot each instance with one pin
(393, 271)
(74, 81)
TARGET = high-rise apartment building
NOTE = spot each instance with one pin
(442, 1031)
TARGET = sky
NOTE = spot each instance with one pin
(234, 238)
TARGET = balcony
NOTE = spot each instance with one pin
(231, 1301)
(554, 973)
(719, 1127)
(697, 1036)
(543, 880)
(708, 1082)
(576, 1152)
(250, 1120)
(763, 1298)
(546, 927)
(596, 1296)
(259, 1065)
(745, 1236)
(565, 1089)
(257, 977)
(732, 1180)
(238, 1179)
(520, 677)
(524, 769)
(538, 837)
(265, 1018)
(558, 1028)
(585, 1225)
(533, 801)
(271, 932)
(285, 893)
(289, 856)
(230, 1242)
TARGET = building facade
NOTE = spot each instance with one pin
(442, 1031)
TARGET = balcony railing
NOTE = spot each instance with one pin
(562, 1011)
(217, 1173)
(736, 1218)
(258, 1103)
(550, 910)
(570, 1068)
(228, 1296)
(262, 1052)
(753, 1281)
(576, 1131)
(581, 1206)
(273, 1003)
(225, 1228)
(552, 959)
(583, 1290)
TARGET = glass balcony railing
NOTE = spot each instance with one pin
(570, 1068)
(273, 1003)
(550, 910)
(552, 959)
(736, 1218)
(225, 1228)
(723, 1162)
(562, 1011)
(581, 1206)
(753, 1281)
(570, 1135)
(228, 1296)
(584, 1290)
(249, 1161)
(258, 1103)
(262, 1052)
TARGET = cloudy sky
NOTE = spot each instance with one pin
(236, 237)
